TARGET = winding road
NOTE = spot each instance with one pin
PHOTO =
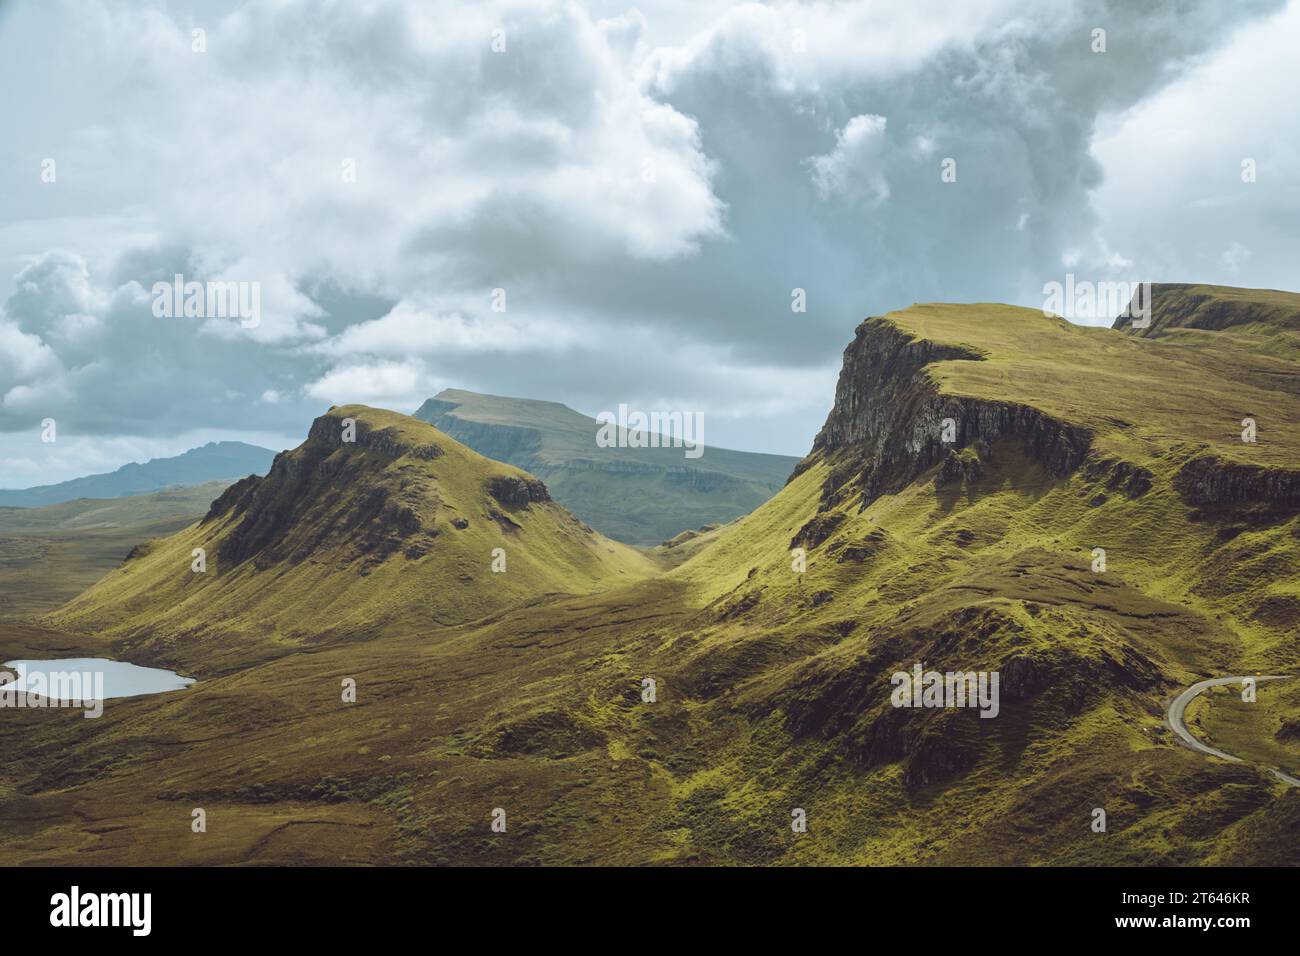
(1179, 705)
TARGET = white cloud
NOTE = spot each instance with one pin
(409, 329)
(23, 356)
(1173, 176)
(390, 384)
(805, 46)
(853, 170)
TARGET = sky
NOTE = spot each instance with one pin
(597, 204)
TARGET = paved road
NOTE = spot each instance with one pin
(1180, 703)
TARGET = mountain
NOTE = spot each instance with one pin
(995, 492)
(395, 528)
(975, 548)
(639, 495)
(1247, 312)
(215, 461)
(50, 555)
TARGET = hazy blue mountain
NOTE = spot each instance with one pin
(215, 461)
(639, 495)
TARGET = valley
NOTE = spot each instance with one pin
(949, 515)
(641, 495)
(50, 554)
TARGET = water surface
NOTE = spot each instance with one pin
(119, 679)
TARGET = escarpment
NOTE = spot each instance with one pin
(642, 486)
(295, 510)
(1185, 305)
(1257, 329)
(518, 445)
(891, 423)
(1210, 482)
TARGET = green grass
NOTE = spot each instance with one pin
(772, 686)
(346, 577)
(49, 555)
(1265, 731)
(1143, 396)
(639, 495)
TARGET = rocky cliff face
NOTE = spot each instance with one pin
(890, 424)
(1211, 482)
(293, 510)
(517, 492)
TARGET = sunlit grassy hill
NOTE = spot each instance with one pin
(1140, 396)
(396, 529)
(1265, 319)
(978, 553)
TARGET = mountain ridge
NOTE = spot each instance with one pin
(214, 461)
(643, 496)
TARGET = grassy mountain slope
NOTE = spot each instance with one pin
(1264, 731)
(1140, 396)
(49, 555)
(772, 686)
(341, 539)
(639, 495)
(1264, 319)
(978, 555)
(215, 461)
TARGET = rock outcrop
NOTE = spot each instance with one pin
(1187, 305)
(890, 422)
(291, 512)
(514, 492)
(1211, 482)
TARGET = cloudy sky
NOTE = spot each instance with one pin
(648, 185)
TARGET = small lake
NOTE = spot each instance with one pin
(119, 679)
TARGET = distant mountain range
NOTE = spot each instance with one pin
(215, 461)
(639, 495)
